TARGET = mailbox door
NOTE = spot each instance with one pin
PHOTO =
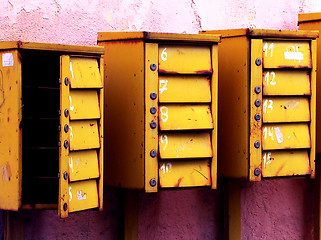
(282, 138)
(181, 116)
(81, 134)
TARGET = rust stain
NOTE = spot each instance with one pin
(91, 124)
(204, 72)
(178, 182)
(200, 173)
(279, 170)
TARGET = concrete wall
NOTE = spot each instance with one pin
(271, 209)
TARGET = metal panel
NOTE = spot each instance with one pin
(185, 145)
(184, 59)
(84, 104)
(83, 195)
(285, 163)
(286, 109)
(184, 88)
(286, 82)
(286, 54)
(84, 73)
(83, 165)
(286, 136)
(183, 116)
(84, 135)
(191, 173)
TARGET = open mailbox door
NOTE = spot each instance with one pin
(81, 134)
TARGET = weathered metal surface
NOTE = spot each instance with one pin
(187, 173)
(84, 104)
(184, 89)
(184, 59)
(185, 117)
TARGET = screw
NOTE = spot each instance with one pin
(153, 182)
(257, 117)
(153, 66)
(59, 128)
(153, 95)
(257, 172)
(66, 144)
(153, 110)
(153, 124)
(59, 112)
(257, 89)
(257, 103)
(65, 207)
(59, 144)
(66, 128)
(65, 175)
(66, 81)
(257, 144)
(60, 81)
(66, 112)
(258, 62)
(153, 153)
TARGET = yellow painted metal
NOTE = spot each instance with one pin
(286, 109)
(84, 73)
(151, 135)
(286, 136)
(184, 59)
(63, 199)
(184, 89)
(185, 145)
(84, 135)
(185, 117)
(83, 195)
(83, 165)
(285, 163)
(101, 138)
(286, 54)
(277, 82)
(10, 133)
(189, 173)
(255, 133)
(84, 104)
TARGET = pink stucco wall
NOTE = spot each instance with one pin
(272, 209)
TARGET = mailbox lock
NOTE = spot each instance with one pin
(66, 128)
(66, 144)
(257, 103)
(257, 117)
(66, 112)
(65, 207)
(153, 124)
(66, 81)
(153, 182)
(257, 144)
(153, 153)
(257, 89)
(66, 175)
(153, 67)
(257, 172)
(258, 62)
(153, 95)
(153, 110)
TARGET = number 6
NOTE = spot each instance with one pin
(164, 55)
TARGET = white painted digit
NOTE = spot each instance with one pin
(71, 134)
(164, 139)
(166, 168)
(267, 159)
(266, 47)
(163, 167)
(162, 86)
(71, 106)
(268, 104)
(164, 55)
(268, 132)
(70, 195)
(268, 80)
(71, 164)
(164, 113)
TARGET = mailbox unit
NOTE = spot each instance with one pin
(267, 103)
(162, 101)
(51, 122)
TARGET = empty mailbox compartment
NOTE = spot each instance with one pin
(51, 119)
(162, 106)
(267, 103)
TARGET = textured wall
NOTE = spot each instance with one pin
(273, 209)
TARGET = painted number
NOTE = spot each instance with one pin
(269, 78)
(166, 167)
(71, 164)
(162, 86)
(267, 47)
(164, 140)
(267, 159)
(164, 113)
(268, 104)
(164, 55)
(268, 132)
(70, 195)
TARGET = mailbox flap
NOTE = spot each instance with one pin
(190, 173)
(185, 116)
(184, 59)
(84, 104)
(184, 89)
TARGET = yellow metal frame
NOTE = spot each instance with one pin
(101, 135)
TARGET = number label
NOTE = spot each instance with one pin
(267, 159)
(162, 85)
(164, 55)
(267, 47)
(270, 80)
(267, 105)
(164, 113)
(164, 139)
(268, 132)
(166, 168)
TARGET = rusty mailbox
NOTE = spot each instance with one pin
(51, 123)
(267, 103)
(161, 101)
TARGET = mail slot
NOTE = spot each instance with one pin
(51, 127)
(267, 103)
(163, 110)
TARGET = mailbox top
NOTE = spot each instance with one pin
(309, 17)
(153, 36)
(259, 33)
(52, 47)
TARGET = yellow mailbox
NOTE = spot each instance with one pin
(267, 103)
(161, 108)
(51, 121)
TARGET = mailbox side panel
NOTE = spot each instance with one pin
(124, 113)
(233, 123)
